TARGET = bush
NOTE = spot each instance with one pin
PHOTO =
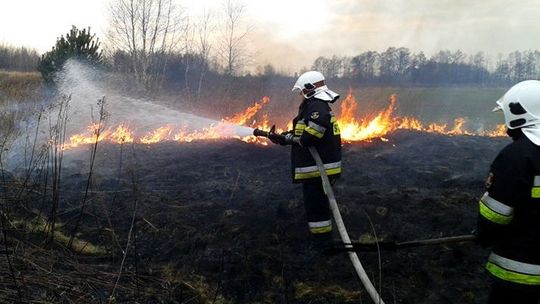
(77, 44)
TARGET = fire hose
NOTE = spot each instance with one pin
(393, 245)
(337, 216)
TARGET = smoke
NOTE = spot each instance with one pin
(85, 86)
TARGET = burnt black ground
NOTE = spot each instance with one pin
(221, 222)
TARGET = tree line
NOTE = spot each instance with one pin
(18, 58)
(398, 65)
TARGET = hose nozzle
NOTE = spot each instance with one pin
(262, 133)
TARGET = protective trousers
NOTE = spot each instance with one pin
(317, 210)
(502, 293)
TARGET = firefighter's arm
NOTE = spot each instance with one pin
(496, 207)
(317, 124)
(492, 225)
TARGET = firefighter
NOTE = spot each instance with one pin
(315, 125)
(509, 215)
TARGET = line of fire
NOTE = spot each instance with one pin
(353, 128)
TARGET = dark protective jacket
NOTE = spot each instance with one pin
(509, 217)
(316, 126)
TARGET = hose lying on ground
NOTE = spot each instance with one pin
(343, 231)
(337, 215)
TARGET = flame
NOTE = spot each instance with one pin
(379, 125)
(160, 134)
(353, 129)
(224, 129)
(122, 134)
(410, 123)
(241, 118)
(498, 132)
(97, 134)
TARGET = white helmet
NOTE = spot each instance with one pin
(312, 84)
(521, 104)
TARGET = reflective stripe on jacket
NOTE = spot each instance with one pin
(513, 271)
(316, 126)
(509, 214)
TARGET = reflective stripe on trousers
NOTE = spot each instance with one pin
(513, 271)
(320, 227)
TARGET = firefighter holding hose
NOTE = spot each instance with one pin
(316, 126)
(509, 217)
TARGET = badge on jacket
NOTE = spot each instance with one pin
(314, 115)
(489, 180)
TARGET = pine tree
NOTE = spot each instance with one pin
(78, 44)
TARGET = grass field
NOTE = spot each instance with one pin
(16, 89)
(19, 86)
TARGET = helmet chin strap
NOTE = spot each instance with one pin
(532, 132)
(514, 133)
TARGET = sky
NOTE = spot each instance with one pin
(290, 34)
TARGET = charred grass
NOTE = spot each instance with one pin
(219, 222)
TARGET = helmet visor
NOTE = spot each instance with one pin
(499, 106)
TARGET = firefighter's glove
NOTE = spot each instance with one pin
(285, 138)
(289, 139)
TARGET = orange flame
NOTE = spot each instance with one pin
(352, 129)
(121, 135)
(160, 134)
(97, 134)
(500, 131)
(241, 118)
(384, 122)
(224, 129)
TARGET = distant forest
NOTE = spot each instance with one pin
(395, 66)
(18, 58)
(401, 66)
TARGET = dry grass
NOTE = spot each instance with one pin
(306, 291)
(16, 88)
(19, 86)
(40, 226)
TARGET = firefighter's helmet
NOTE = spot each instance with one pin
(312, 84)
(521, 105)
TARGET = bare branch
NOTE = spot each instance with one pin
(232, 49)
(147, 31)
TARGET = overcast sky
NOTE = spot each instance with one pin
(290, 34)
